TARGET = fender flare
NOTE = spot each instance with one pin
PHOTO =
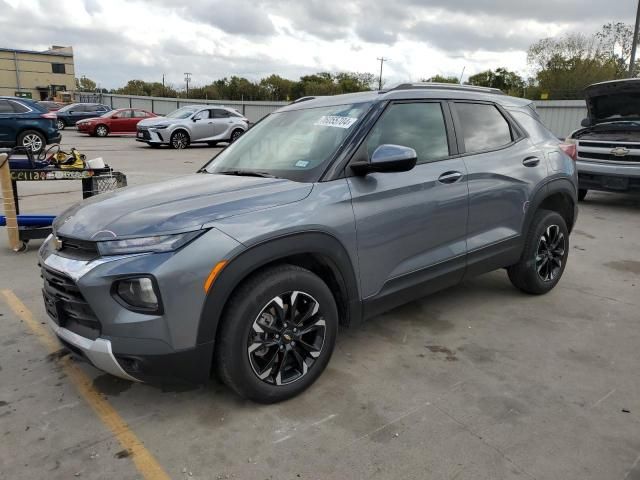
(559, 185)
(270, 251)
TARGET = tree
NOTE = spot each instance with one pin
(441, 79)
(500, 78)
(85, 84)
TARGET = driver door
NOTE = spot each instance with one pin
(202, 128)
(411, 226)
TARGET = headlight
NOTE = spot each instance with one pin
(158, 127)
(161, 243)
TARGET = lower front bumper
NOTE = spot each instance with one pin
(97, 351)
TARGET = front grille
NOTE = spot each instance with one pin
(145, 134)
(66, 305)
(604, 151)
(81, 249)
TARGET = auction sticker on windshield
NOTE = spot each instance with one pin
(335, 121)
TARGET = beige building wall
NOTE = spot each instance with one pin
(34, 73)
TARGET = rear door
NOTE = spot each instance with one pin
(411, 226)
(135, 118)
(222, 122)
(8, 123)
(120, 121)
(504, 169)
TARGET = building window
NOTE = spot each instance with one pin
(57, 68)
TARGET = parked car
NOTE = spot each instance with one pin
(50, 106)
(25, 123)
(70, 114)
(193, 124)
(607, 148)
(116, 122)
(327, 212)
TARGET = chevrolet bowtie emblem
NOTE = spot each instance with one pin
(620, 152)
(57, 243)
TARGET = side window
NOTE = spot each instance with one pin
(125, 114)
(201, 115)
(417, 125)
(219, 113)
(102, 108)
(483, 127)
(536, 130)
(18, 107)
(5, 107)
(139, 114)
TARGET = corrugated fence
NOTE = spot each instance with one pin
(560, 116)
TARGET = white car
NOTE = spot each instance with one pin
(193, 124)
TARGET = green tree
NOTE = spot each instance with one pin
(441, 79)
(85, 84)
(501, 78)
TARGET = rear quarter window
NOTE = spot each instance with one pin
(537, 132)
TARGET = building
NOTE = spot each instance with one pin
(37, 75)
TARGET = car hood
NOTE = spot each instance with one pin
(615, 100)
(147, 122)
(176, 205)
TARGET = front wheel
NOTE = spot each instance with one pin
(179, 140)
(102, 131)
(235, 135)
(277, 334)
(544, 256)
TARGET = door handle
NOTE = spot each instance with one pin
(531, 161)
(450, 177)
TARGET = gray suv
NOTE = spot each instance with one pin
(192, 124)
(329, 211)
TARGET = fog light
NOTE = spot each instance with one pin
(139, 293)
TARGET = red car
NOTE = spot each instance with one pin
(122, 121)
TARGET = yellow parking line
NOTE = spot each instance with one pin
(144, 460)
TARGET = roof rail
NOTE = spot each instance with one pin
(442, 86)
(302, 99)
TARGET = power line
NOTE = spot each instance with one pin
(382, 60)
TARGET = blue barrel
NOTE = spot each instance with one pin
(30, 220)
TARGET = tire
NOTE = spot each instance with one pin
(179, 140)
(582, 193)
(60, 124)
(540, 268)
(235, 135)
(102, 130)
(33, 140)
(253, 374)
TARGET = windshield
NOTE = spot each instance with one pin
(293, 144)
(67, 107)
(183, 112)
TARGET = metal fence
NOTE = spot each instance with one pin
(560, 116)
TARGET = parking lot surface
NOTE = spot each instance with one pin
(477, 382)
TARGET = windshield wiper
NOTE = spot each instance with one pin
(247, 173)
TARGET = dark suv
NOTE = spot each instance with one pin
(70, 114)
(328, 211)
(25, 123)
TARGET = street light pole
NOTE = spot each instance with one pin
(632, 61)
(187, 77)
(382, 60)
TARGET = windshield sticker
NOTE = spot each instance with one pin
(302, 163)
(335, 121)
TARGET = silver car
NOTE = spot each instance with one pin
(192, 124)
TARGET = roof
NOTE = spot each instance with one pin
(412, 91)
(55, 53)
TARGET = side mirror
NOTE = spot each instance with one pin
(388, 158)
(585, 122)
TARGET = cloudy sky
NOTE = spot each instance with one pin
(117, 40)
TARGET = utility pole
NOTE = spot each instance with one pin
(382, 60)
(635, 41)
(164, 92)
(187, 77)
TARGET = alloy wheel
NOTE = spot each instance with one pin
(60, 125)
(235, 135)
(101, 131)
(286, 338)
(179, 140)
(550, 253)
(32, 142)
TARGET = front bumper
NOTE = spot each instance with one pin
(152, 135)
(84, 127)
(89, 319)
(610, 177)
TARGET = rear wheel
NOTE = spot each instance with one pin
(277, 334)
(102, 131)
(179, 140)
(582, 193)
(544, 256)
(60, 124)
(32, 140)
